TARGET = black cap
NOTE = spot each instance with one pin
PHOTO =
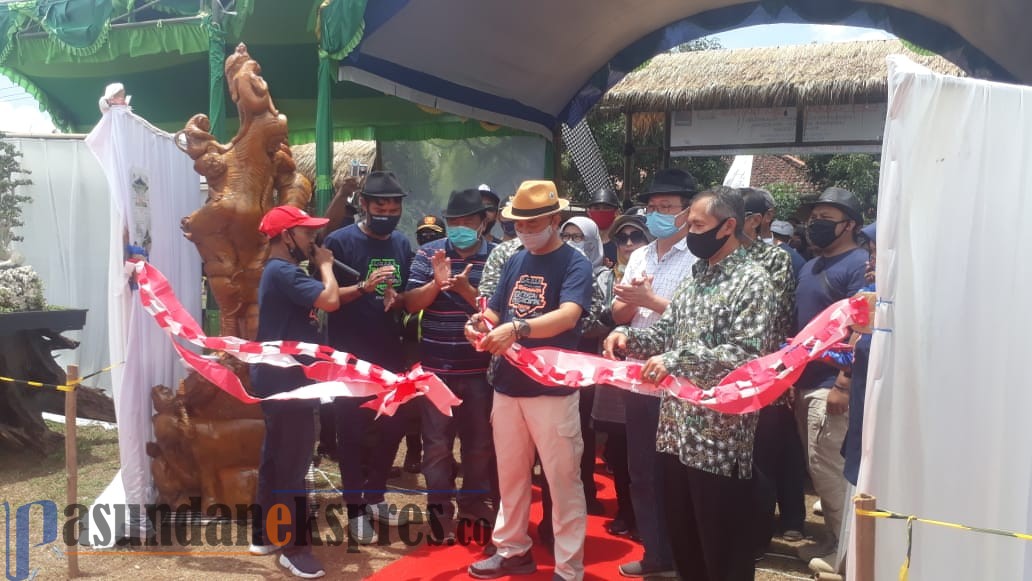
(841, 199)
(755, 201)
(485, 190)
(464, 203)
(605, 196)
(670, 182)
(383, 184)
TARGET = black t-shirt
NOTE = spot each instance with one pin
(609, 251)
(286, 312)
(361, 327)
(532, 285)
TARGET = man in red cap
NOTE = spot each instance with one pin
(287, 299)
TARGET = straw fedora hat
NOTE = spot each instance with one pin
(533, 199)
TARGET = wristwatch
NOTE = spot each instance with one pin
(361, 287)
(522, 328)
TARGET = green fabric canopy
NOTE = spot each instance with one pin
(64, 52)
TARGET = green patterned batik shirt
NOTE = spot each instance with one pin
(720, 317)
(493, 267)
(778, 264)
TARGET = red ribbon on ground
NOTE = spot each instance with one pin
(337, 374)
(746, 389)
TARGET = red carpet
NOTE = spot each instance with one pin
(602, 552)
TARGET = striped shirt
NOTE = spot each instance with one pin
(443, 347)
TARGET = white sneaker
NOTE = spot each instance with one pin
(387, 514)
(262, 550)
(817, 509)
(362, 531)
(825, 549)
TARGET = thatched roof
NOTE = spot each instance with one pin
(819, 74)
(343, 153)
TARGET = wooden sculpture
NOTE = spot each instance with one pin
(246, 177)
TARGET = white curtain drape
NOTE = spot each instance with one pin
(65, 239)
(945, 424)
(152, 185)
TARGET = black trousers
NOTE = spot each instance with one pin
(286, 455)
(709, 518)
(616, 453)
(779, 455)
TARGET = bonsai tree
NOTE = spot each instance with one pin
(20, 286)
(10, 200)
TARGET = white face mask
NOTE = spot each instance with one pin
(537, 240)
(578, 245)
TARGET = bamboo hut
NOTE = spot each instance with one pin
(811, 74)
(343, 153)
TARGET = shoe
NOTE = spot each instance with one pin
(475, 511)
(262, 550)
(499, 566)
(817, 508)
(302, 565)
(361, 530)
(388, 514)
(819, 565)
(618, 527)
(792, 535)
(489, 549)
(395, 472)
(825, 549)
(442, 530)
(596, 508)
(636, 569)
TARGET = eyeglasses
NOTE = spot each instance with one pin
(665, 209)
(571, 237)
(635, 237)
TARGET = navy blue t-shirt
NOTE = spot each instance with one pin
(443, 347)
(797, 259)
(286, 312)
(532, 285)
(361, 327)
(824, 281)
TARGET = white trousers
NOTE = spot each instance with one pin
(550, 425)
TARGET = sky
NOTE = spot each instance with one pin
(19, 112)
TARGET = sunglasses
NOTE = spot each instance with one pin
(635, 237)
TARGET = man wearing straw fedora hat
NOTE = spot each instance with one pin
(542, 293)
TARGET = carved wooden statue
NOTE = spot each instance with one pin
(208, 444)
(246, 177)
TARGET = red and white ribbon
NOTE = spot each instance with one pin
(746, 389)
(337, 374)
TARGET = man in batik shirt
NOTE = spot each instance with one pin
(779, 456)
(719, 318)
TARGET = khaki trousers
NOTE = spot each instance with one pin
(551, 426)
(823, 435)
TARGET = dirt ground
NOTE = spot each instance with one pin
(25, 478)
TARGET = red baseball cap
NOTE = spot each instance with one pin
(281, 218)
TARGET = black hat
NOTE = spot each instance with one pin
(605, 196)
(755, 201)
(670, 182)
(383, 184)
(485, 190)
(636, 221)
(841, 199)
(464, 203)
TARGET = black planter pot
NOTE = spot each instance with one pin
(63, 320)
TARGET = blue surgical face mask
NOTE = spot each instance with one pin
(463, 237)
(662, 225)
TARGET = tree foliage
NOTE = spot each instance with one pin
(856, 172)
(10, 200)
(786, 200)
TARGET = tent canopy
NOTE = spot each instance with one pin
(64, 52)
(534, 63)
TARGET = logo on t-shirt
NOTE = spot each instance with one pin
(528, 295)
(376, 263)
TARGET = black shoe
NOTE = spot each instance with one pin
(618, 527)
(596, 508)
(498, 566)
(413, 466)
(395, 472)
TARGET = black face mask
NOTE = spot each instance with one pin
(296, 253)
(382, 225)
(706, 244)
(821, 233)
(509, 228)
